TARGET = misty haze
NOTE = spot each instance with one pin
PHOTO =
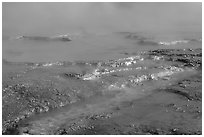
(101, 68)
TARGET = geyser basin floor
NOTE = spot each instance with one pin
(154, 92)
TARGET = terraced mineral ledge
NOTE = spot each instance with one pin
(152, 92)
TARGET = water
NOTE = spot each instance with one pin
(90, 47)
(95, 29)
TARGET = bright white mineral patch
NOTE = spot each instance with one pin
(173, 42)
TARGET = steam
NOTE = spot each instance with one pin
(62, 18)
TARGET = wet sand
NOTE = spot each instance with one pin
(149, 92)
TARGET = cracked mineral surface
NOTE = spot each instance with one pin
(151, 92)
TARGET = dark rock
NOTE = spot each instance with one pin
(72, 75)
(147, 43)
(63, 38)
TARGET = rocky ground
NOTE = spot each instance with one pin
(152, 92)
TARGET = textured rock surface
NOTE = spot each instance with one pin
(153, 92)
